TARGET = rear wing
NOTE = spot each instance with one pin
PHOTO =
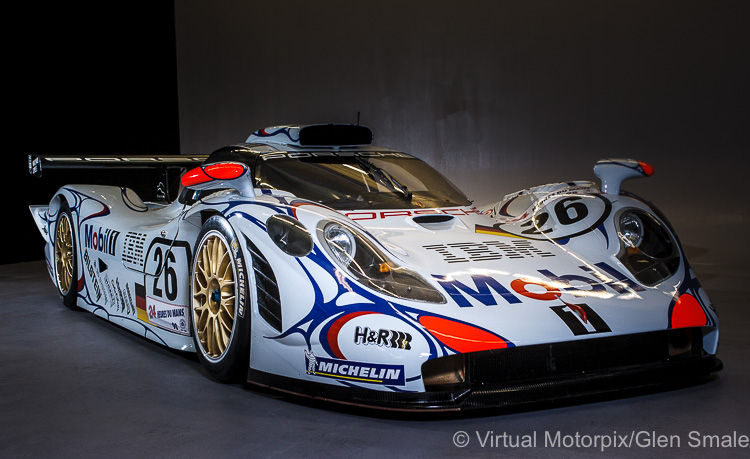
(162, 164)
(38, 163)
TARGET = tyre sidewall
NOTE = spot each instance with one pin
(69, 297)
(231, 366)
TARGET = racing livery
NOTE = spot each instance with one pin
(310, 261)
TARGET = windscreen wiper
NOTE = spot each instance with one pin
(384, 178)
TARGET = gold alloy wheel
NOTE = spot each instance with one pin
(64, 254)
(213, 296)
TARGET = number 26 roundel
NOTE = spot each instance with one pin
(564, 217)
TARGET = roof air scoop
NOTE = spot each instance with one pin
(613, 172)
(315, 135)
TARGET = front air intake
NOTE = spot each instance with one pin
(435, 222)
(269, 301)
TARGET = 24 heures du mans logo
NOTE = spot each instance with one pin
(385, 338)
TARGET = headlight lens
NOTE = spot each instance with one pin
(364, 261)
(631, 229)
(648, 250)
(341, 242)
(289, 235)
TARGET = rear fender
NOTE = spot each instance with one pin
(39, 213)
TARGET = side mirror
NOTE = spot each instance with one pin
(613, 172)
(219, 176)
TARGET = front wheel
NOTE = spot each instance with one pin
(221, 320)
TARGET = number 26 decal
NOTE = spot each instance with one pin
(569, 217)
(167, 277)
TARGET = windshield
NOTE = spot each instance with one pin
(379, 180)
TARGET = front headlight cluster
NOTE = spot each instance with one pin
(648, 250)
(364, 261)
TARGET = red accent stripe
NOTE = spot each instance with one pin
(224, 171)
(647, 168)
(194, 177)
(219, 171)
(140, 297)
(581, 312)
(519, 286)
(333, 332)
(461, 337)
(687, 312)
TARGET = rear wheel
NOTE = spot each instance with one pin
(221, 321)
(65, 258)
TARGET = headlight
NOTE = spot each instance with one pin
(631, 229)
(289, 235)
(647, 250)
(364, 261)
(341, 242)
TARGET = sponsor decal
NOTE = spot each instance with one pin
(235, 246)
(569, 217)
(168, 316)
(581, 319)
(140, 302)
(485, 285)
(482, 283)
(385, 338)
(103, 240)
(373, 373)
(462, 252)
(121, 297)
(124, 159)
(35, 166)
(132, 250)
(408, 213)
(129, 298)
(318, 154)
(162, 299)
(93, 275)
(109, 292)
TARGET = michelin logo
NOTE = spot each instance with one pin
(374, 373)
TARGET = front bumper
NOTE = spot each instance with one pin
(527, 374)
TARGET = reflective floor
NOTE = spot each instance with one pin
(74, 385)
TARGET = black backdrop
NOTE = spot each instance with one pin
(96, 78)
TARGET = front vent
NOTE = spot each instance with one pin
(269, 301)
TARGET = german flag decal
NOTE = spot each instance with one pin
(494, 231)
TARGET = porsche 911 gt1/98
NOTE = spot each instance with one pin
(307, 260)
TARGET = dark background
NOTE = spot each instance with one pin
(85, 78)
(497, 95)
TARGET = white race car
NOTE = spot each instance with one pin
(311, 262)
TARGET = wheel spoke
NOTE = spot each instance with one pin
(214, 255)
